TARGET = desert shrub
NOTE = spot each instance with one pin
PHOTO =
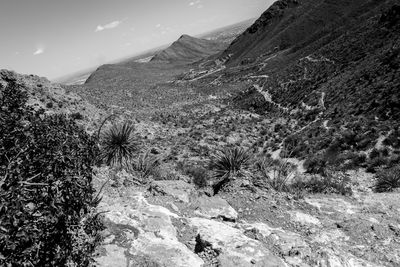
(330, 182)
(145, 164)
(164, 172)
(76, 116)
(351, 160)
(388, 179)
(315, 164)
(375, 163)
(47, 206)
(118, 144)
(276, 173)
(393, 139)
(227, 163)
(199, 176)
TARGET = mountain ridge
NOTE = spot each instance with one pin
(189, 49)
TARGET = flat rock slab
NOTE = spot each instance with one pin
(304, 218)
(214, 208)
(233, 246)
(177, 189)
(138, 229)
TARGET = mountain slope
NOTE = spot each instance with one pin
(289, 23)
(189, 49)
(339, 79)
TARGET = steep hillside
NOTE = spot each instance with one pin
(189, 49)
(289, 23)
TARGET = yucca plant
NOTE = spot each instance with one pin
(227, 163)
(144, 164)
(118, 144)
(388, 179)
(276, 172)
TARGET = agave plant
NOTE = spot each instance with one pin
(118, 144)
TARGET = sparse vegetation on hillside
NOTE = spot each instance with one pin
(47, 204)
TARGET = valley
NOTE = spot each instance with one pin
(280, 148)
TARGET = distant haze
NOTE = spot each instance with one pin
(53, 38)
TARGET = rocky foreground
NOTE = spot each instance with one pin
(171, 223)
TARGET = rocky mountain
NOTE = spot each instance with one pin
(332, 63)
(189, 49)
(300, 23)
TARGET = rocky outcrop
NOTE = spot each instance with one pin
(159, 228)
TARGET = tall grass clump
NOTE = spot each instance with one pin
(118, 144)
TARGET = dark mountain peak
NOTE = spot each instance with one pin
(189, 49)
(275, 11)
(186, 37)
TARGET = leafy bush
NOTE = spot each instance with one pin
(388, 179)
(227, 163)
(47, 207)
(118, 146)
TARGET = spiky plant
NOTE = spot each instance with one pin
(387, 180)
(226, 163)
(144, 164)
(118, 144)
(277, 173)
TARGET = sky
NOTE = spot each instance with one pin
(54, 38)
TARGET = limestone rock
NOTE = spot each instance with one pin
(177, 189)
(235, 248)
(214, 207)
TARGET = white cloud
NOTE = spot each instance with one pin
(196, 3)
(38, 51)
(158, 25)
(108, 26)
